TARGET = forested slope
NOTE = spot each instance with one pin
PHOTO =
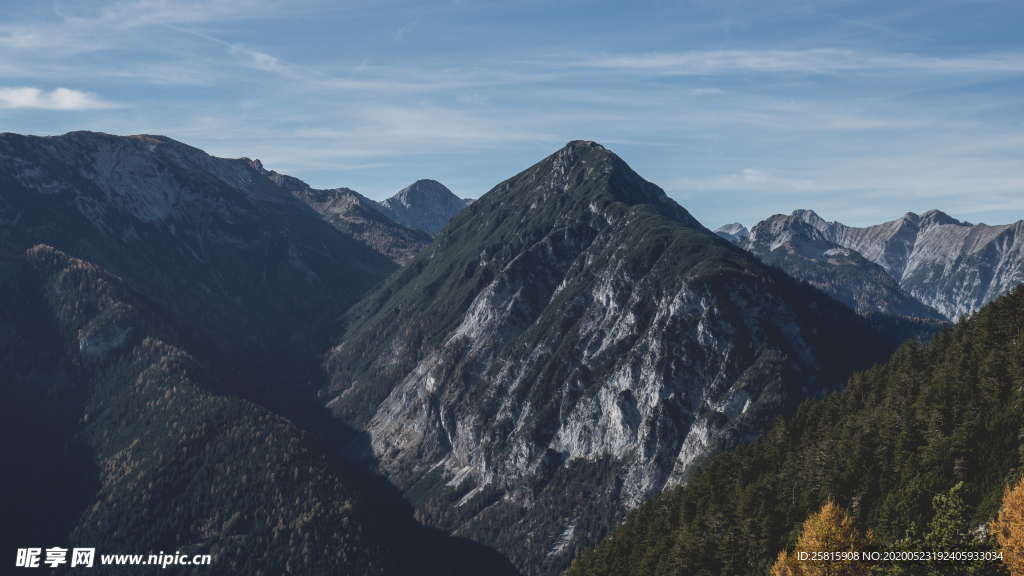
(891, 448)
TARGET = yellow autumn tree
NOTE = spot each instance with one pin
(830, 530)
(1009, 528)
(785, 565)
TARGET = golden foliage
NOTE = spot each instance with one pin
(831, 530)
(785, 565)
(1009, 528)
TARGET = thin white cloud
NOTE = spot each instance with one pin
(20, 39)
(140, 13)
(430, 125)
(812, 61)
(256, 59)
(931, 176)
(750, 180)
(27, 97)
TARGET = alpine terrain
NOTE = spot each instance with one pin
(570, 344)
(240, 264)
(804, 252)
(425, 205)
(359, 217)
(918, 451)
(954, 267)
(162, 313)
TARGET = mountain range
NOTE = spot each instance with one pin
(398, 227)
(157, 368)
(201, 354)
(917, 265)
(570, 344)
(917, 450)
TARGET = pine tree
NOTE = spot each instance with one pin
(948, 529)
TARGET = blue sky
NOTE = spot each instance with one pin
(859, 110)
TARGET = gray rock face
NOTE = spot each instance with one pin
(804, 251)
(425, 205)
(736, 233)
(573, 342)
(955, 267)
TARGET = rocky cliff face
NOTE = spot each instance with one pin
(425, 205)
(570, 344)
(805, 252)
(952, 266)
(736, 233)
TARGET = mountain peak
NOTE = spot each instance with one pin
(584, 150)
(424, 205)
(929, 218)
(554, 324)
(584, 145)
(937, 218)
(584, 174)
(736, 233)
(421, 190)
(809, 216)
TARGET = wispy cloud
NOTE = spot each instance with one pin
(256, 58)
(27, 97)
(140, 13)
(749, 179)
(811, 61)
(404, 30)
(779, 106)
(20, 39)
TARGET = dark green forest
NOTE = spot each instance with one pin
(918, 450)
(133, 450)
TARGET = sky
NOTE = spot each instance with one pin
(861, 111)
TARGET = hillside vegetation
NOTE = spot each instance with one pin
(917, 449)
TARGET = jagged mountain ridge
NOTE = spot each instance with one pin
(572, 342)
(357, 216)
(425, 205)
(804, 252)
(131, 202)
(250, 274)
(952, 266)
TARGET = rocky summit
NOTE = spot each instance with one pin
(357, 216)
(425, 205)
(950, 266)
(571, 343)
(804, 252)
